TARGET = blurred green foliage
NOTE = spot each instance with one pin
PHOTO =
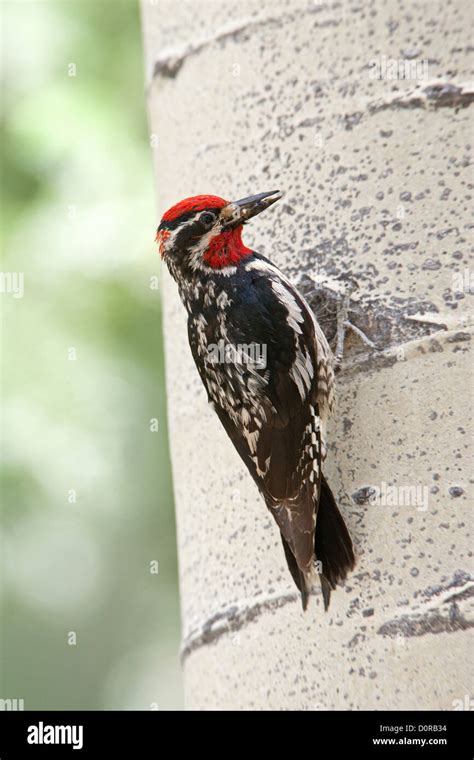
(86, 486)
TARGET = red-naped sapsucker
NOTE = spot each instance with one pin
(268, 372)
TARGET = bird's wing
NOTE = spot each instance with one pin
(270, 412)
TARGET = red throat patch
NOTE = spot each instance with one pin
(226, 249)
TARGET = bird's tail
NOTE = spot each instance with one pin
(333, 551)
(297, 575)
(332, 543)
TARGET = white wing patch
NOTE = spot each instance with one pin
(325, 374)
(302, 371)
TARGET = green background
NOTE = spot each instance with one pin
(86, 486)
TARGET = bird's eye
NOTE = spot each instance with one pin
(207, 218)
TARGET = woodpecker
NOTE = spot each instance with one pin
(268, 372)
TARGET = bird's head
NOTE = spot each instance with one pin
(205, 232)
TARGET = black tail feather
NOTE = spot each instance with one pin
(296, 573)
(326, 590)
(333, 545)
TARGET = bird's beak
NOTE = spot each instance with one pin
(239, 212)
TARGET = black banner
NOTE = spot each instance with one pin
(378, 734)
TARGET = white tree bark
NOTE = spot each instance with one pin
(263, 94)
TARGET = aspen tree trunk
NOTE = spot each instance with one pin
(309, 98)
